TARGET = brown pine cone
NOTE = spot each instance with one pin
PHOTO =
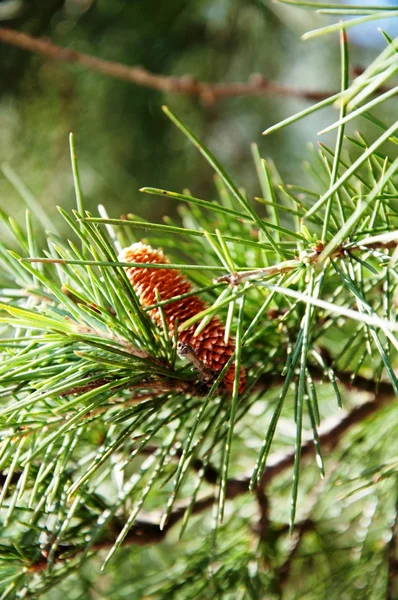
(209, 345)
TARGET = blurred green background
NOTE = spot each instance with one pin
(123, 139)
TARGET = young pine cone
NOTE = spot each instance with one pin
(209, 345)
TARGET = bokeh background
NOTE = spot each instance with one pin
(123, 139)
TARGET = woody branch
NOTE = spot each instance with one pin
(257, 84)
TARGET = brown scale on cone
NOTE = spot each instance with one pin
(209, 345)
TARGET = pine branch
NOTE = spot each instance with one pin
(96, 395)
(257, 85)
(147, 531)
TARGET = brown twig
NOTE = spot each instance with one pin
(257, 85)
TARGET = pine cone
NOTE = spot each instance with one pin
(209, 346)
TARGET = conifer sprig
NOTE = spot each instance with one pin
(101, 419)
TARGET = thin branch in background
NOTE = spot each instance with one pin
(257, 85)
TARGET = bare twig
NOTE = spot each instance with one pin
(257, 85)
